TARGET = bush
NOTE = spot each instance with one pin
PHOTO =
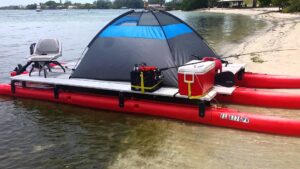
(135, 4)
(103, 4)
(280, 3)
(294, 6)
(31, 6)
(194, 4)
(264, 3)
(156, 1)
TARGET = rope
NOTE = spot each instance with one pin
(79, 59)
(266, 51)
(166, 68)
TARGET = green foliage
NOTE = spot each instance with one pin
(190, 4)
(67, 4)
(129, 4)
(98, 4)
(280, 3)
(156, 1)
(31, 6)
(194, 4)
(88, 6)
(173, 5)
(103, 4)
(14, 7)
(294, 6)
(212, 3)
(264, 3)
(51, 4)
(256, 59)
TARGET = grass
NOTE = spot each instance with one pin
(256, 59)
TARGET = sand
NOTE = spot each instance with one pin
(275, 49)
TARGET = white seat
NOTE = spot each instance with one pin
(45, 52)
(43, 58)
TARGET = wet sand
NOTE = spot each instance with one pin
(277, 47)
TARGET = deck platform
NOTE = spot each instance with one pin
(57, 77)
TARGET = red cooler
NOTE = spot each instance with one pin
(197, 79)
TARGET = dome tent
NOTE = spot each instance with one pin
(156, 38)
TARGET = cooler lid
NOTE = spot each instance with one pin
(201, 67)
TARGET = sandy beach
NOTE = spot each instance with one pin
(275, 49)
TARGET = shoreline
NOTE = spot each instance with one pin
(275, 49)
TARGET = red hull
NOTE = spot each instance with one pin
(256, 80)
(245, 94)
(254, 97)
(222, 117)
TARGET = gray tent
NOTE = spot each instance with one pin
(156, 38)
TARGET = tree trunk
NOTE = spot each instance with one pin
(254, 3)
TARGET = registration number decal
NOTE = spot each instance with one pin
(236, 118)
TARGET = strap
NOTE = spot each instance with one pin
(13, 86)
(201, 109)
(56, 91)
(142, 83)
(121, 99)
(189, 90)
(147, 88)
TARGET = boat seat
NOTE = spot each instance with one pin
(44, 53)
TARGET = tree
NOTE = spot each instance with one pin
(280, 3)
(51, 4)
(212, 3)
(89, 6)
(31, 6)
(264, 3)
(103, 4)
(136, 4)
(194, 4)
(254, 3)
(156, 1)
(11, 7)
(294, 6)
(67, 4)
(174, 5)
(129, 3)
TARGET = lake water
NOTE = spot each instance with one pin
(35, 134)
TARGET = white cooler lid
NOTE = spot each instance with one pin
(202, 67)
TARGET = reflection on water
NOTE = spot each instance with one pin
(219, 29)
(47, 134)
(36, 134)
(51, 135)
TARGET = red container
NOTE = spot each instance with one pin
(197, 79)
(218, 63)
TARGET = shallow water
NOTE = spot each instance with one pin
(37, 134)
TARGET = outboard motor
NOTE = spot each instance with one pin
(32, 46)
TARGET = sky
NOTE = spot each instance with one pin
(26, 2)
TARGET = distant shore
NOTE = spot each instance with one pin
(276, 49)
